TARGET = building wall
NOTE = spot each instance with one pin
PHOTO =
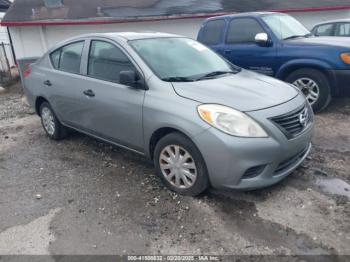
(27, 41)
(34, 41)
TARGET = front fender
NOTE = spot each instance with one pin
(301, 63)
(184, 120)
(325, 67)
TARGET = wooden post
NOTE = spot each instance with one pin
(7, 61)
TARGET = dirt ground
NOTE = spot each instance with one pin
(81, 196)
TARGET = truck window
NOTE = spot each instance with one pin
(212, 32)
(243, 30)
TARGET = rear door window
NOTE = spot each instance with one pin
(343, 29)
(106, 61)
(324, 30)
(68, 57)
(71, 57)
(243, 30)
(212, 32)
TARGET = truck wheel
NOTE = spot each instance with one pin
(180, 165)
(53, 128)
(315, 86)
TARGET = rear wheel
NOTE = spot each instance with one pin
(180, 165)
(314, 85)
(53, 128)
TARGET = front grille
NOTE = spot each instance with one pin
(290, 161)
(253, 172)
(295, 122)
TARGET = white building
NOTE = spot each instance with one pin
(36, 25)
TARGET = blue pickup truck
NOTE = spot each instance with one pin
(278, 45)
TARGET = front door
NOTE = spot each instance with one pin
(112, 111)
(241, 49)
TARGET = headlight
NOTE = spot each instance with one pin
(345, 57)
(230, 121)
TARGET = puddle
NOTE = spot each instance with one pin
(242, 217)
(334, 186)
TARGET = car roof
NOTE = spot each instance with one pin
(116, 36)
(345, 20)
(246, 14)
(129, 35)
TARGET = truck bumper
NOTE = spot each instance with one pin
(341, 81)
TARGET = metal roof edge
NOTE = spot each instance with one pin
(113, 20)
(105, 20)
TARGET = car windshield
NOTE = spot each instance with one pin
(181, 59)
(285, 26)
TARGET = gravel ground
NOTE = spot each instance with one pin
(81, 196)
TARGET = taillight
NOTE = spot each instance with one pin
(27, 71)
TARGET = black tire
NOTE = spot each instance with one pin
(320, 79)
(60, 131)
(202, 182)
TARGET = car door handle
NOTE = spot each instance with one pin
(89, 93)
(227, 51)
(47, 83)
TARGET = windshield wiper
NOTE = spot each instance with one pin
(293, 37)
(192, 79)
(177, 79)
(297, 36)
(215, 73)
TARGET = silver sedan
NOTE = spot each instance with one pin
(202, 120)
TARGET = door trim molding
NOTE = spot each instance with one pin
(92, 134)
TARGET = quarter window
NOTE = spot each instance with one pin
(68, 58)
(55, 58)
(243, 30)
(106, 61)
(212, 32)
(324, 30)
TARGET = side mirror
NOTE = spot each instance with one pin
(262, 39)
(130, 78)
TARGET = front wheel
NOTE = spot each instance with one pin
(314, 85)
(180, 165)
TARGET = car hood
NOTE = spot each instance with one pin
(245, 91)
(322, 40)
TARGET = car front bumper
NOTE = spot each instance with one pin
(251, 163)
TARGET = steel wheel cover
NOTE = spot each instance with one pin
(48, 120)
(178, 166)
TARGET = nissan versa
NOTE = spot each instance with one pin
(203, 121)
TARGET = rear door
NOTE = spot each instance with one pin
(63, 82)
(241, 49)
(111, 110)
(212, 34)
